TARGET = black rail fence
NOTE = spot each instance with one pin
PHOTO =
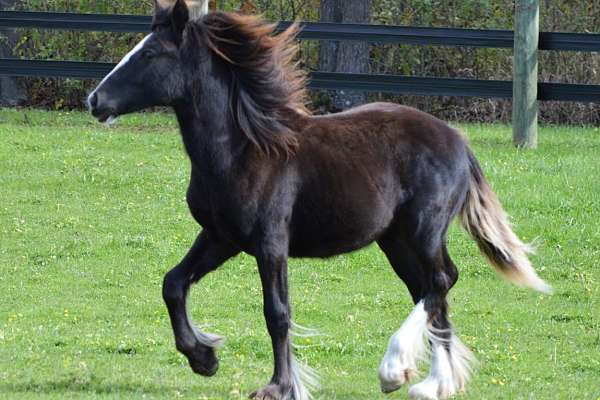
(327, 31)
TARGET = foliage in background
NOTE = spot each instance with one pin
(557, 15)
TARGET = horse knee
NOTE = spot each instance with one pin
(173, 288)
(278, 320)
(450, 269)
(451, 274)
(444, 280)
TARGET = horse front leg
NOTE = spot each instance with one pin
(284, 385)
(206, 255)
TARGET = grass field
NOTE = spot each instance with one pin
(92, 217)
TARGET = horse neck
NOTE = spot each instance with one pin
(209, 134)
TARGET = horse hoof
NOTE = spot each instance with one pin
(269, 392)
(389, 387)
(432, 389)
(204, 370)
(203, 360)
(392, 381)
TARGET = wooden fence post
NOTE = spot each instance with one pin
(525, 73)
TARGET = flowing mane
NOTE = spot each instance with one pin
(268, 89)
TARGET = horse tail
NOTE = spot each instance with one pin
(486, 221)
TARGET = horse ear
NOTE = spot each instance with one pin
(162, 6)
(180, 16)
(197, 8)
(162, 10)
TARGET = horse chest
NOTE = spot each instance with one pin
(222, 214)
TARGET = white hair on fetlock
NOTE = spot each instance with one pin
(111, 120)
(461, 359)
(303, 332)
(463, 362)
(208, 339)
(439, 383)
(438, 335)
(304, 378)
(406, 348)
(298, 330)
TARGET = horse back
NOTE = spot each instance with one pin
(377, 126)
(357, 169)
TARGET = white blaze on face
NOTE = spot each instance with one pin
(122, 63)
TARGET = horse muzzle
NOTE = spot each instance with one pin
(100, 108)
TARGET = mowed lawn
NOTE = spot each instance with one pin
(92, 217)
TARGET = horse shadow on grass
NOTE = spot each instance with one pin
(98, 387)
(137, 390)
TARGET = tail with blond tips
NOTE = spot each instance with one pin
(486, 221)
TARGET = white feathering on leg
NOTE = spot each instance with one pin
(440, 381)
(208, 339)
(302, 331)
(304, 378)
(462, 361)
(450, 369)
(406, 347)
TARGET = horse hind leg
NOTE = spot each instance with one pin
(407, 346)
(428, 272)
(451, 360)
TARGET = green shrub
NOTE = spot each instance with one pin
(556, 15)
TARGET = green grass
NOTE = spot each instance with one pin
(92, 217)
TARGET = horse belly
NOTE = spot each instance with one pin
(327, 231)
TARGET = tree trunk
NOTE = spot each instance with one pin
(350, 57)
(11, 94)
(330, 12)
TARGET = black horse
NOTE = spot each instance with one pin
(275, 182)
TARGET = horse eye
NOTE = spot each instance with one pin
(147, 54)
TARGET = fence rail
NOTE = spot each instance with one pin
(330, 80)
(317, 31)
(326, 31)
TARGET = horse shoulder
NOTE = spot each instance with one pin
(198, 201)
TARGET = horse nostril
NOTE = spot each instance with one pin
(93, 101)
